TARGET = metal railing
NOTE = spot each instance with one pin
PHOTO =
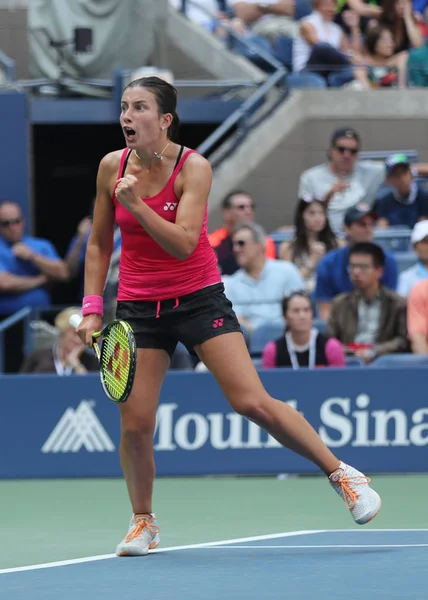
(240, 118)
(8, 66)
(21, 315)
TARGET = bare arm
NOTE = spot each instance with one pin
(283, 8)
(308, 33)
(100, 242)
(360, 74)
(413, 31)
(53, 268)
(324, 310)
(249, 13)
(16, 284)
(179, 239)
(364, 10)
(419, 343)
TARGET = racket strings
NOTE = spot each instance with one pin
(115, 360)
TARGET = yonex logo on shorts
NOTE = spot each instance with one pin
(170, 206)
(218, 323)
(78, 429)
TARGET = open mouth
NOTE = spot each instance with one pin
(129, 132)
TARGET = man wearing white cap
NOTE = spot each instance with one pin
(419, 271)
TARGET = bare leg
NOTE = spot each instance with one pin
(226, 356)
(138, 420)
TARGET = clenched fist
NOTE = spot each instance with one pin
(22, 251)
(126, 192)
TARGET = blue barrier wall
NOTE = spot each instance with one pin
(15, 151)
(65, 427)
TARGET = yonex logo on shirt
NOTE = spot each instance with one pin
(218, 323)
(170, 206)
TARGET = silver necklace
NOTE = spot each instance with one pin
(155, 154)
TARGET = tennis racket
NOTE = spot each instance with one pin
(117, 357)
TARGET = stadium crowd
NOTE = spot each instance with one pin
(322, 43)
(344, 285)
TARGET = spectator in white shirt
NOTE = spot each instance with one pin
(343, 181)
(419, 271)
(268, 19)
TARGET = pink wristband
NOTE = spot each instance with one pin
(92, 305)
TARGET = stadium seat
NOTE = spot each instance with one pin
(400, 360)
(393, 239)
(405, 260)
(320, 325)
(354, 361)
(264, 334)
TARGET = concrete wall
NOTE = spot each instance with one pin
(191, 52)
(296, 137)
(13, 34)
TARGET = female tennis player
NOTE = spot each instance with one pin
(170, 290)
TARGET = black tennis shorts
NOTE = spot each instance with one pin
(193, 320)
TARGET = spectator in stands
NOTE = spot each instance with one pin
(199, 15)
(417, 317)
(321, 45)
(419, 271)
(237, 208)
(67, 356)
(370, 320)
(407, 201)
(381, 67)
(367, 11)
(343, 181)
(313, 239)
(397, 16)
(332, 272)
(256, 290)
(302, 345)
(27, 265)
(269, 19)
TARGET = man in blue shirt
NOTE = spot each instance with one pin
(332, 272)
(405, 202)
(26, 265)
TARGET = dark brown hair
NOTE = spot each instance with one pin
(166, 99)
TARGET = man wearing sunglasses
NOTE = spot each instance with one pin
(26, 265)
(343, 181)
(237, 208)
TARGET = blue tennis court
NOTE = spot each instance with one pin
(321, 565)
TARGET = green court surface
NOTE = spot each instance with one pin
(55, 520)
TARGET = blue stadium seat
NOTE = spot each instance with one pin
(283, 51)
(354, 361)
(393, 239)
(320, 325)
(264, 334)
(405, 260)
(412, 155)
(403, 360)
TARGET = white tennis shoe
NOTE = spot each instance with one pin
(142, 536)
(363, 502)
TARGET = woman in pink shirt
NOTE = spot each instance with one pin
(170, 291)
(302, 345)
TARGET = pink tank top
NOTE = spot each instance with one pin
(147, 271)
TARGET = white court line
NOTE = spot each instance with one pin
(335, 546)
(77, 561)
(226, 543)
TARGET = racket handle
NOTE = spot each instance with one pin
(75, 320)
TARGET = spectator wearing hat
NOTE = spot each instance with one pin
(419, 271)
(406, 202)
(332, 272)
(417, 317)
(343, 181)
(369, 320)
